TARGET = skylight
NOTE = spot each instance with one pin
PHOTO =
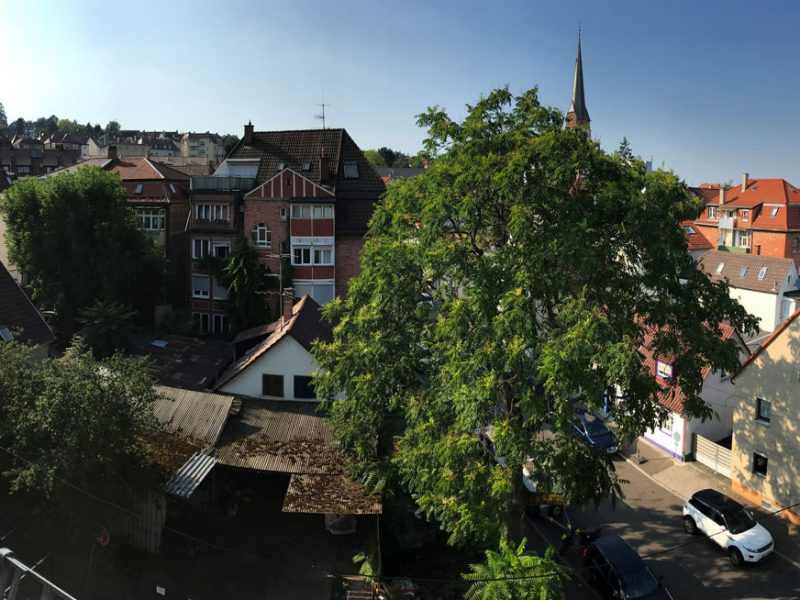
(743, 272)
(172, 188)
(351, 170)
(762, 273)
(138, 189)
(281, 166)
(774, 211)
(720, 267)
(5, 333)
(306, 166)
(688, 229)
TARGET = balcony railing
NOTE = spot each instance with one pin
(221, 184)
(726, 222)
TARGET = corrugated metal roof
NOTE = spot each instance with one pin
(197, 415)
(329, 495)
(190, 475)
(280, 436)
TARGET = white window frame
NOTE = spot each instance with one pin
(303, 250)
(198, 292)
(212, 212)
(313, 211)
(221, 244)
(323, 255)
(284, 213)
(745, 215)
(262, 235)
(201, 244)
(712, 213)
(145, 216)
(218, 291)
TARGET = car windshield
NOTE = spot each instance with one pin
(595, 427)
(739, 521)
(639, 584)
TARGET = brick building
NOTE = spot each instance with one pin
(759, 216)
(312, 195)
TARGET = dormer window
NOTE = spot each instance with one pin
(351, 170)
(663, 370)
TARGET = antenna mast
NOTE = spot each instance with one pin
(323, 105)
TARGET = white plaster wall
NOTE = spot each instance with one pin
(759, 304)
(287, 358)
(670, 436)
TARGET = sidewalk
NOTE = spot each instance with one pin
(685, 478)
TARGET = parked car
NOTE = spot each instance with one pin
(729, 524)
(595, 431)
(617, 572)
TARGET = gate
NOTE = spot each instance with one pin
(712, 455)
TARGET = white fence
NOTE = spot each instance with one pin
(712, 455)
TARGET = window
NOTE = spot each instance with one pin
(689, 230)
(211, 212)
(221, 323)
(281, 166)
(222, 249)
(795, 245)
(200, 286)
(151, 219)
(301, 256)
(720, 266)
(199, 248)
(663, 369)
(712, 212)
(5, 334)
(272, 385)
(303, 387)
(741, 238)
(138, 189)
(762, 272)
(323, 255)
(262, 236)
(284, 248)
(202, 321)
(220, 291)
(23, 169)
(760, 464)
(306, 211)
(172, 188)
(283, 213)
(763, 410)
(745, 215)
(666, 425)
(306, 166)
(301, 211)
(774, 212)
(351, 170)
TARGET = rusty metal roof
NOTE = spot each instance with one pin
(329, 494)
(197, 415)
(283, 436)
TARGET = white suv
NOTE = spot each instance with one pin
(729, 524)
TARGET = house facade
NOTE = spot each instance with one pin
(674, 436)
(765, 286)
(766, 441)
(313, 196)
(759, 216)
(280, 366)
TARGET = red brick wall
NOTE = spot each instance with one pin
(348, 250)
(768, 243)
(267, 210)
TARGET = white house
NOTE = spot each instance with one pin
(280, 366)
(764, 285)
(675, 434)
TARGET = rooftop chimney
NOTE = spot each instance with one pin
(324, 166)
(112, 153)
(287, 302)
(721, 194)
(248, 132)
(744, 181)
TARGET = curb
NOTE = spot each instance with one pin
(631, 462)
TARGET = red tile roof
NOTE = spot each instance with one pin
(672, 396)
(695, 240)
(761, 196)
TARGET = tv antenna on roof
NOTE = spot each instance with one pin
(323, 105)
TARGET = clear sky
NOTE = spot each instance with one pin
(707, 88)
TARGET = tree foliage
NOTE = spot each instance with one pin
(247, 280)
(75, 419)
(375, 158)
(106, 327)
(624, 151)
(519, 271)
(112, 127)
(75, 237)
(3, 116)
(510, 573)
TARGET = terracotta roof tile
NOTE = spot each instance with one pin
(695, 239)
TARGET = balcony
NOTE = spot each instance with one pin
(221, 184)
(726, 222)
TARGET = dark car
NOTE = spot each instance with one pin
(617, 572)
(595, 431)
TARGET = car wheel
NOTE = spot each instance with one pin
(689, 525)
(737, 560)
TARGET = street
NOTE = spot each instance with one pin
(649, 518)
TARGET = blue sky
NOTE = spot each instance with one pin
(707, 88)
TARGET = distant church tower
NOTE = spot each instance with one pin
(577, 115)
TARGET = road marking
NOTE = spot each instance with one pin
(630, 461)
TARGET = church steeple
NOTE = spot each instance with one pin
(577, 115)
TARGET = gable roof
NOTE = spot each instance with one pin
(672, 397)
(305, 326)
(296, 149)
(772, 337)
(19, 314)
(757, 191)
(742, 270)
(133, 169)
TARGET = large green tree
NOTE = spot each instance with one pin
(76, 238)
(75, 419)
(247, 280)
(520, 271)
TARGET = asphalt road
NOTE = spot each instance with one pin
(691, 567)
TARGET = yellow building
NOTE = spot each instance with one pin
(765, 462)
